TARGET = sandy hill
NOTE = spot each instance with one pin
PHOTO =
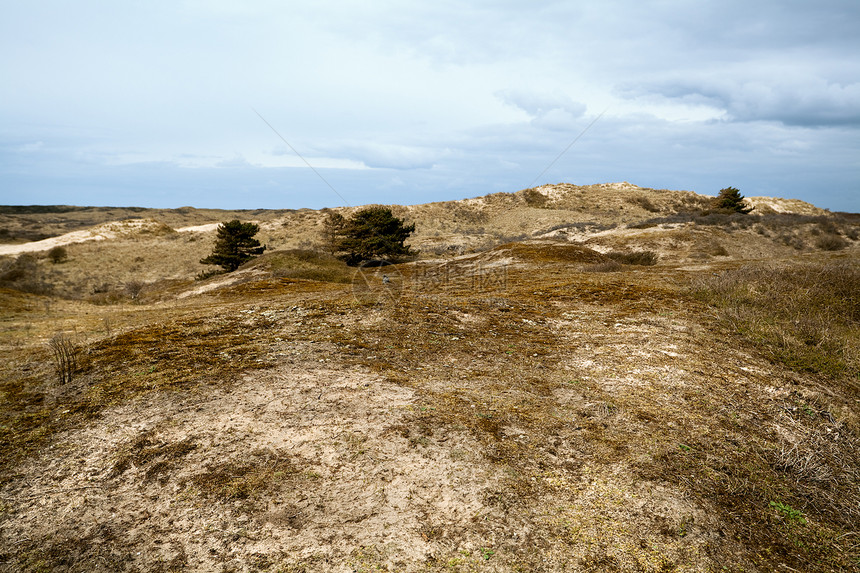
(598, 378)
(142, 247)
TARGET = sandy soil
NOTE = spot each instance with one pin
(129, 227)
(525, 444)
(510, 410)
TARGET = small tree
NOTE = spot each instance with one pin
(333, 228)
(730, 199)
(234, 245)
(373, 232)
(58, 254)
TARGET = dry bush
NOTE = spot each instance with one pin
(582, 227)
(645, 224)
(203, 275)
(831, 242)
(643, 202)
(103, 293)
(24, 274)
(776, 222)
(133, 288)
(65, 355)
(716, 218)
(828, 227)
(718, 250)
(502, 239)
(534, 198)
(645, 258)
(445, 249)
(790, 240)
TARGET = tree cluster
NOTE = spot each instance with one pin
(371, 233)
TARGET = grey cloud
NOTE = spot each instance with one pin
(807, 102)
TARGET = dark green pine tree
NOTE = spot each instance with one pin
(730, 199)
(234, 244)
(373, 232)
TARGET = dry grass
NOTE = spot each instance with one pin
(645, 258)
(303, 264)
(607, 267)
(806, 316)
(569, 419)
(174, 355)
(145, 450)
(245, 478)
(566, 441)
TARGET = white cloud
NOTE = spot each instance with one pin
(539, 105)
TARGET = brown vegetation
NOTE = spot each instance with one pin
(508, 409)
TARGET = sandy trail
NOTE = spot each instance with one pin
(99, 233)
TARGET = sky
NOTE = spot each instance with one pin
(284, 104)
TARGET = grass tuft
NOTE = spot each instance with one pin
(245, 479)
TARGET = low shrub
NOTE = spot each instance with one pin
(133, 288)
(645, 258)
(828, 227)
(534, 198)
(831, 242)
(718, 250)
(643, 202)
(24, 274)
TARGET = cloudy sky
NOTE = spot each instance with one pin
(166, 103)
